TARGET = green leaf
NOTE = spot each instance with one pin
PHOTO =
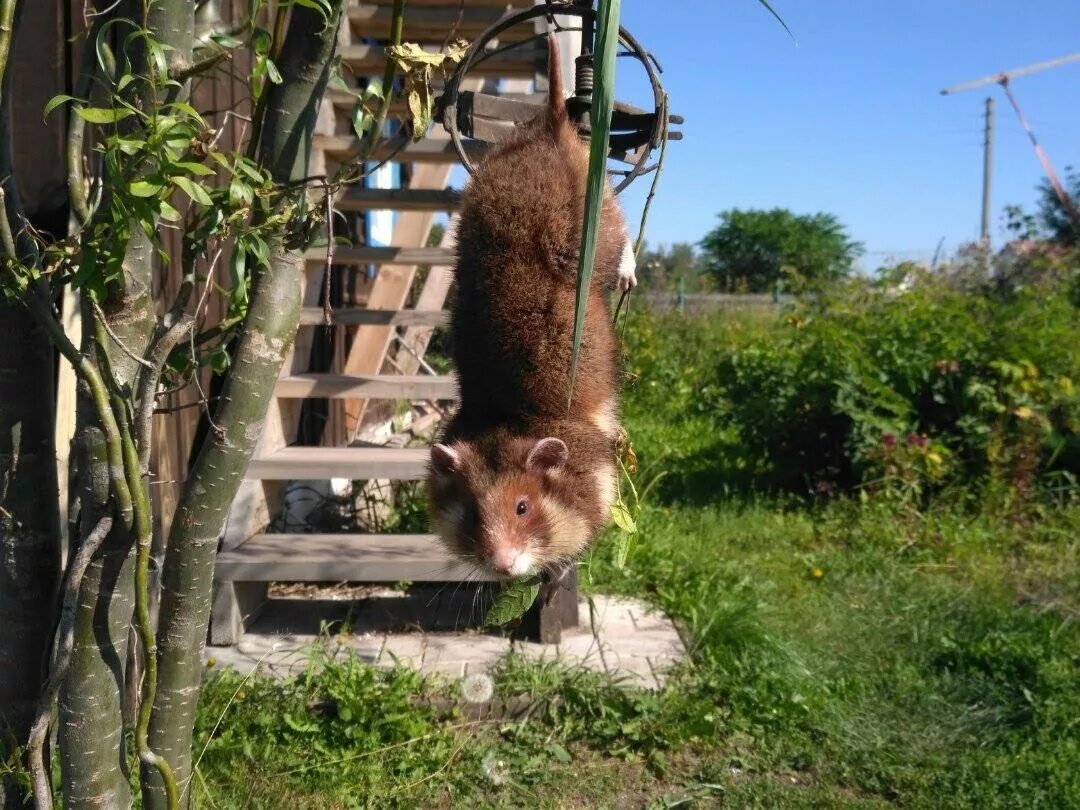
(779, 19)
(102, 115)
(144, 188)
(198, 169)
(272, 72)
(261, 41)
(361, 121)
(622, 518)
(559, 753)
(168, 213)
(238, 275)
(193, 190)
(513, 602)
(56, 101)
(607, 44)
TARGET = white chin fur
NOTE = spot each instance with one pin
(524, 565)
(627, 268)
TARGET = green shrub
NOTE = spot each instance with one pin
(901, 391)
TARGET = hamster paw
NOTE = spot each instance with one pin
(628, 268)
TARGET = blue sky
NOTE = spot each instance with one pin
(850, 120)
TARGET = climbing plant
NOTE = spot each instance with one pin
(143, 162)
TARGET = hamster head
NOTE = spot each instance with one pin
(500, 505)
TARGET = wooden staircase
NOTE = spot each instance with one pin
(383, 361)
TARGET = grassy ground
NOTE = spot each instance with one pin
(842, 655)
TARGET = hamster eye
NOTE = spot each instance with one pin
(522, 507)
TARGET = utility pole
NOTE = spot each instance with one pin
(1003, 79)
(988, 162)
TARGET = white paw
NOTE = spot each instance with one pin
(627, 268)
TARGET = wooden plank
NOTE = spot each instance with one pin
(343, 558)
(438, 3)
(344, 100)
(382, 255)
(390, 290)
(399, 199)
(356, 463)
(371, 386)
(433, 24)
(518, 63)
(437, 285)
(313, 316)
(433, 149)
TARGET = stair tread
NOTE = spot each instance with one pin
(366, 386)
(432, 23)
(400, 199)
(314, 316)
(384, 255)
(519, 63)
(357, 463)
(343, 557)
(429, 150)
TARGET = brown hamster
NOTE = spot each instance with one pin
(521, 481)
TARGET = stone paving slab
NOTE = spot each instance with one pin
(631, 641)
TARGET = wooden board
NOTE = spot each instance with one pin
(313, 316)
(356, 463)
(344, 558)
(432, 23)
(382, 255)
(399, 199)
(432, 149)
(370, 386)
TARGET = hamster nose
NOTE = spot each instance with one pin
(502, 559)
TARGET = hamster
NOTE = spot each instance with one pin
(523, 476)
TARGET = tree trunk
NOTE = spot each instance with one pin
(29, 506)
(267, 333)
(29, 525)
(93, 757)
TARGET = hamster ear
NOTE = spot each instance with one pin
(547, 454)
(445, 459)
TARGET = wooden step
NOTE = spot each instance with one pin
(517, 63)
(383, 255)
(356, 463)
(519, 4)
(355, 316)
(370, 386)
(343, 558)
(436, 149)
(432, 24)
(398, 199)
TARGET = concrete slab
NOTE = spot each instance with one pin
(625, 638)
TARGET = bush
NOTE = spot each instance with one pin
(905, 390)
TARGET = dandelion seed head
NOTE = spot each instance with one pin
(477, 688)
(496, 768)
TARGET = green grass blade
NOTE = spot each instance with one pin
(603, 97)
(779, 19)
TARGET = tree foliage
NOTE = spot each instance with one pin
(751, 250)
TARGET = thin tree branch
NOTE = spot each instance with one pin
(61, 660)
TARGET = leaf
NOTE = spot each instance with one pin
(513, 602)
(261, 41)
(144, 188)
(238, 276)
(198, 169)
(361, 121)
(56, 101)
(607, 44)
(193, 190)
(779, 19)
(272, 72)
(168, 213)
(559, 753)
(622, 518)
(102, 115)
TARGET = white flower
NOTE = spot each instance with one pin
(477, 688)
(496, 769)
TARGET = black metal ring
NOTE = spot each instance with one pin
(450, 92)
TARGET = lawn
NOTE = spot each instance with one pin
(849, 652)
